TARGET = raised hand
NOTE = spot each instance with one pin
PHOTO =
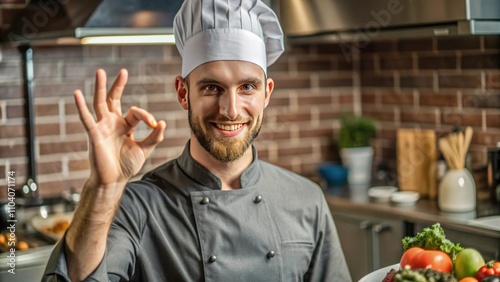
(114, 154)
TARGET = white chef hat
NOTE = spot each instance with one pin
(213, 30)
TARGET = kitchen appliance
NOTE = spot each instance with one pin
(361, 20)
(63, 21)
(493, 168)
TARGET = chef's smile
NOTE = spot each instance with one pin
(230, 130)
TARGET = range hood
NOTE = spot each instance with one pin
(354, 20)
(75, 21)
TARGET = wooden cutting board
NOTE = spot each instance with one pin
(416, 159)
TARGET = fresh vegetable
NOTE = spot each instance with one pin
(467, 263)
(417, 258)
(491, 268)
(432, 238)
(422, 275)
(468, 279)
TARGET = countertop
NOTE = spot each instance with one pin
(425, 211)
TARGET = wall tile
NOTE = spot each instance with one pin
(418, 45)
(481, 61)
(460, 81)
(458, 43)
(416, 81)
(437, 62)
(441, 99)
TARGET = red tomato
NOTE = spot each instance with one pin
(419, 258)
(490, 268)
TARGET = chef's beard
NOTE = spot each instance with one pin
(224, 149)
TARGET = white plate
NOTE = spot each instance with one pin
(405, 198)
(45, 225)
(381, 193)
(379, 275)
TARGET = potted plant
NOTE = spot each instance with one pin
(356, 152)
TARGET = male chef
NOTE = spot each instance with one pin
(217, 212)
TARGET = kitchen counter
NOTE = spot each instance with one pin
(425, 211)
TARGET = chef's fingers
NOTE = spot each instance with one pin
(154, 138)
(115, 93)
(100, 106)
(135, 115)
(85, 115)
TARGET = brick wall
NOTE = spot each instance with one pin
(313, 85)
(433, 83)
(420, 83)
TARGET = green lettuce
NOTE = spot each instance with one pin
(432, 238)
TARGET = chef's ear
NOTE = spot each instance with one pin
(181, 86)
(269, 90)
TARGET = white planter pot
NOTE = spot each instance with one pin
(359, 164)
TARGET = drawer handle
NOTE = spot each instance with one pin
(365, 225)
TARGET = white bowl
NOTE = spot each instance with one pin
(405, 198)
(381, 193)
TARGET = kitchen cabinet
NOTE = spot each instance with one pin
(369, 243)
(489, 247)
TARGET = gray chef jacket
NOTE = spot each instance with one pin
(176, 224)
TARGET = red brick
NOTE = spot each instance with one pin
(492, 81)
(278, 101)
(402, 98)
(11, 131)
(440, 99)
(172, 68)
(10, 72)
(2, 173)
(492, 42)
(487, 139)
(416, 81)
(468, 118)
(74, 127)
(311, 64)
(458, 43)
(78, 165)
(47, 70)
(58, 89)
(21, 172)
(493, 120)
(306, 133)
(14, 151)
(379, 46)
(63, 147)
(8, 92)
(301, 49)
(483, 101)
(385, 114)
(136, 91)
(291, 82)
(437, 62)
(367, 62)
(46, 109)
(164, 107)
(376, 80)
(47, 129)
(421, 44)
(412, 116)
(396, 62)
(460, 81)
(98, 51)
(270, 134)
(346, 98)
(314, 100)
(49, 167)
(15, 111)
(481, 61)
(335, 82)
(293, 151)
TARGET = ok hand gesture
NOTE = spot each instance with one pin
(114, 154)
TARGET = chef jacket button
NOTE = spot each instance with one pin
(257, 199)
(212, 259)
(270, 254)
(205, 200)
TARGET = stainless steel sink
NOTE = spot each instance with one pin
(488, 222)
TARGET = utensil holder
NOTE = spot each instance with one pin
(457, 191)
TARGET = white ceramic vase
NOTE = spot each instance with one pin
(457, 191)
(358, 162)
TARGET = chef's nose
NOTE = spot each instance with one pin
(228, 104)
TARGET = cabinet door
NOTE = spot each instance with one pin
(369, 243)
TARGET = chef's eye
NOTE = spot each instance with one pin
(248, 87)
(211, 88)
